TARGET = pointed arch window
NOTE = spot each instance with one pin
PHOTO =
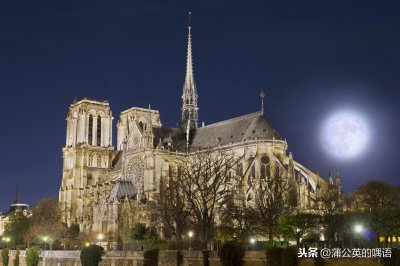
(90, 133)
(277, 171)
(252, 172)
(99, 131)
(265, 171)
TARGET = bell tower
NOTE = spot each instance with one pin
(87, 153)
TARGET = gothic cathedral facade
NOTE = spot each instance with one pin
(105, 188)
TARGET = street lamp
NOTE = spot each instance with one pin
(6, 239)
(358, 228)
(45, 239)
(190, 234)
(100, 237)
(252, 242)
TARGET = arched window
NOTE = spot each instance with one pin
(90, 160)
(98, 131)
(277, 171)
(265, 171)
(252, 172)
(90, 137)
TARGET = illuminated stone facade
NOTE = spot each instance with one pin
(105, 187)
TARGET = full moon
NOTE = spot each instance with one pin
(345, 135)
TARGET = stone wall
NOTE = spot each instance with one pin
(170, 258)
(136, 258)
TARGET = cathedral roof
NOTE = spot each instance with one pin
(121, 190)
(175, 136)
(116, 162)
(235, 130)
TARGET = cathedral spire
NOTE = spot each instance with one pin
(189, 96)
(262, 95)
(16, 199)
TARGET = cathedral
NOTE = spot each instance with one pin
(106, 187)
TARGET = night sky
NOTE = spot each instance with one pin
(311, 58)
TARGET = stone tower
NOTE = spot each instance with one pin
(87, 153)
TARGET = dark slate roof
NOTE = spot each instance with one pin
(167, 134)
(235, 130)
(121, 190)
(116, 162)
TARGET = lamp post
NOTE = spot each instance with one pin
(190, 234)
(7, 240)
(298, 236)
(45, 239)
(358, 229)
(100, 237)
(252, 242)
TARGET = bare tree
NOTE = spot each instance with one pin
(173, 207)
(237, 222)
(45, 222)
(333, 205)
(271, 201)
(205, 181)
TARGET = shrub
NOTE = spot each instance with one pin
(289, 256)
(231, 254)
(151, 233)
(4, 256)
(16, 260)
(151, 257)
(274, 256)
(139, 231)
(142, 232)
(278, 256)
(32, 256)
(161, 245)
(91, 255)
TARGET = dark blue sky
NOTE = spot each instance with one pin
(311, 58)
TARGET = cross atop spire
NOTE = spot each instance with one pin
(189, 96)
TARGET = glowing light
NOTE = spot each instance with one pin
(100, 236)
(190, 234)
(345, 134)
(358, 228)
(252, 241)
